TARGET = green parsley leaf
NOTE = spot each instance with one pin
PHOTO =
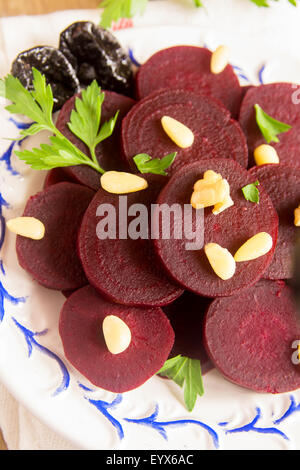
(264, 3)
(251, 192)
(269, 126)
(157, 166)
(61, 153)
(185, 372)
(85, 118)
(116, 9)
(113, 10)
(37, 105)
(260, 3)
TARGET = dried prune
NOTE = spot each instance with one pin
(96, 54)
(53, 64)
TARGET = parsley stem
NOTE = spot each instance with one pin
(86, 160)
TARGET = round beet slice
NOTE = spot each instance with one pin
(186, 315)
(276, 100)
(125, 270)
(53, 261)
(57, 175)
(152, 338)
(215, 133)
(108, 152)
(188, 67)
(249, 337)
(230, 229)
(283, 186)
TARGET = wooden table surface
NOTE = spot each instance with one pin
(38, 7)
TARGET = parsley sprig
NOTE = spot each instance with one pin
(146, 164)
(187, 372)
(269, 126)
(113, 10)
(251, 192)
(37, 105)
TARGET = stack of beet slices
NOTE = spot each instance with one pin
(108, 152)
(216, 134)
(164, 291)
(123, 269)
(81, 332)
(283, 186)
(276, 99)
(192, 66)
(230, 229)
(249, 337)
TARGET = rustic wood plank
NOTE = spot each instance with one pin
(2, 442)
(37, 7)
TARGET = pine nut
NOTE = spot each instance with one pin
(118, 182)
(258, 245)
(211, 176)
(297, 216)
(221, 206)
(29, 227)
(116, 333)
(212, 190)
(178, 132)
(265, 154)
(219, 59)
(221, 260)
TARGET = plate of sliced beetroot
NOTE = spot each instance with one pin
(149, 216)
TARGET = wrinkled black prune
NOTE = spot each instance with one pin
(96, 54)
(53, 64)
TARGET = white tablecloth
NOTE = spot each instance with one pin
(23, 431)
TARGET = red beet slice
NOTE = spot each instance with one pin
(230, 229)
(57, 175)
(188, 67)
(53, 261)
(249, 337)
(216, 134)
(152, 338)
(276, 100)
(108, 152)
(125, 270)
(186, 315)
(283, 186)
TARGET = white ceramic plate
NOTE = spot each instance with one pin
(32, 363)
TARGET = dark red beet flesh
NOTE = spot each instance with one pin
(230, 229)
(186, 315)
(216, 134)
(276, 100)
(282, 183)
(249, 337)
(53, 261)
(108, 152)
(188, 67)
(127, 271)
(57, 175)
(152, 338)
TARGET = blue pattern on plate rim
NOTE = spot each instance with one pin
(32, 342)
(3, 203)
(251, 427)
(4, 295)
(102, 406)
(260, 74)
(6, 156)
(160, 426)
